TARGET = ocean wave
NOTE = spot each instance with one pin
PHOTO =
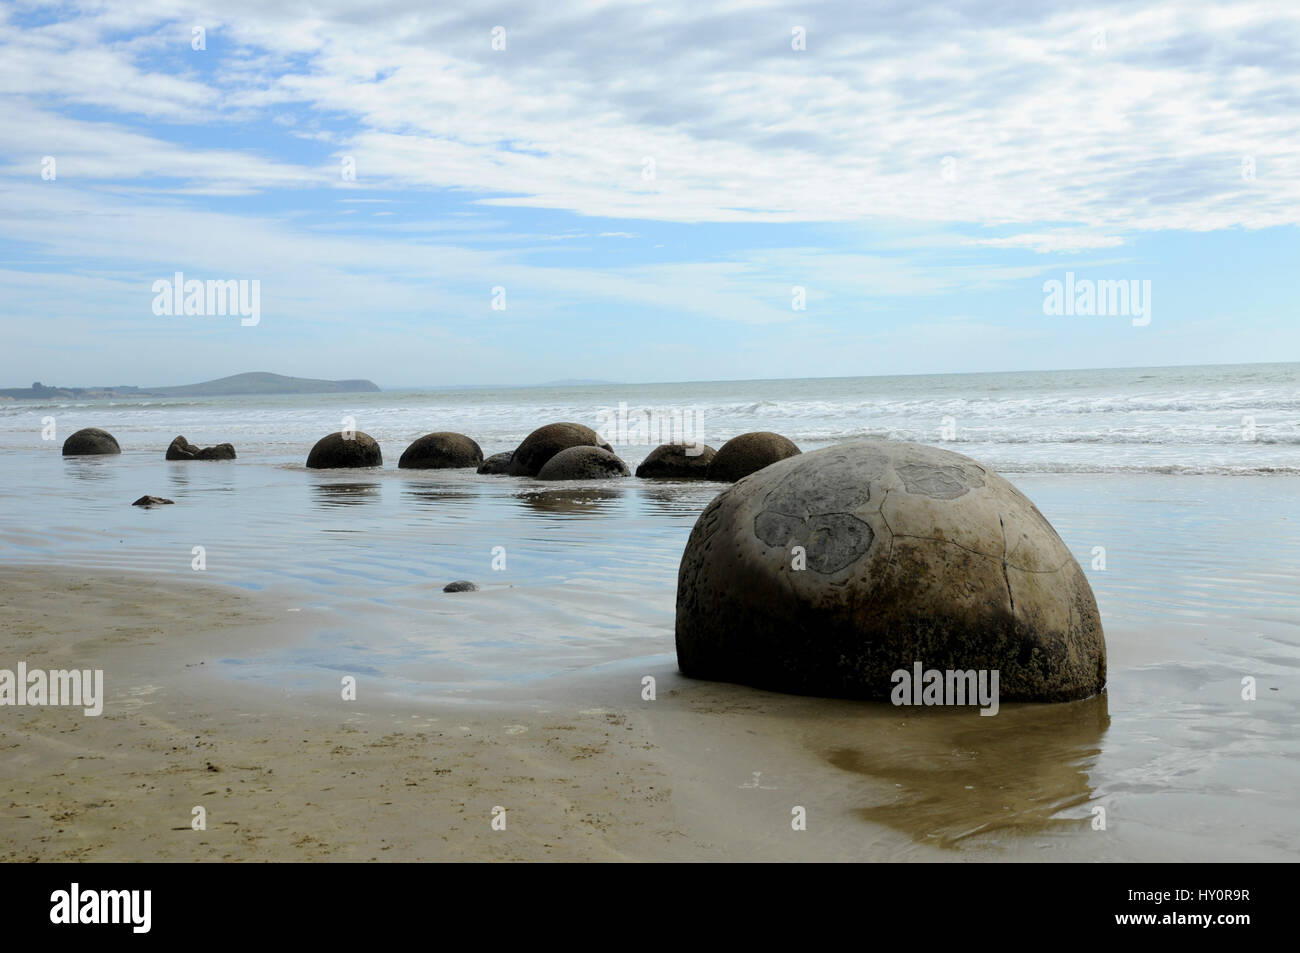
(1169, 469)
(972, 437)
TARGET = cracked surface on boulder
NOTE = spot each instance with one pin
(912, 553)
(940, 482)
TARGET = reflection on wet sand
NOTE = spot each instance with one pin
(572, 501)
(957, 775)
(345, 494)
(88, 468)
(428, 495)
(681, 497)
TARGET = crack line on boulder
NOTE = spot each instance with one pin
(1005, 575)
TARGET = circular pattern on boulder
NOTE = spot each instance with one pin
(676, 460)
(583, 463)
(356, 450)
(90, 440)
(826, 573)
(441, 451)
(545, 442)
(748, 453)
(497, 464)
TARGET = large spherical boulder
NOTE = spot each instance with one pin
(497, 464)
(356, 449)
(743, 455)
(677, 460)
(441, 451)
(90, 440)
(583, 463)
(545, 442)
(910, 554)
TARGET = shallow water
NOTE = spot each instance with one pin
(1198, 590)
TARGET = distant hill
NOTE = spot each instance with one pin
(256, 382)
(259, 382)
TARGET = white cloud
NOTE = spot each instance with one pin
(1147, 133)
(1061, 240)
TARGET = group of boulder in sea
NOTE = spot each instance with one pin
(560, 451)
(829, 572)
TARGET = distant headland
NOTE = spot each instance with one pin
(255, 382)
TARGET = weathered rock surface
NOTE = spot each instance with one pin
(497, 464)
(740, 456)
(909, 554)
(182, 449)
(545, 442)
(151, 501)
(88, 441)
(583, 463)
(356, 450)
(676, 460)
(441, 451)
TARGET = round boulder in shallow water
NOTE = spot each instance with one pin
(545, 442)
(740, 456)
(497, 464)
(357, 449)
(88, 441)
(909, 554)
(678, 461)
(441, 451)
(583, 463)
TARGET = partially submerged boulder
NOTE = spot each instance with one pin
(345, 449)
(497, 464)
(545, 442)
(677, 460)
(441, 451)
(182, 449)
(89, 441)
(740, 456)
(826, 573)
(460, 585)
(152, 501)
(583, 463)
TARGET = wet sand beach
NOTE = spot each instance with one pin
(585, 767)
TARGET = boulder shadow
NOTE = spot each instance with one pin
(678, 497)
(957, 775)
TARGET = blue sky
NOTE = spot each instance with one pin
(920, 170)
